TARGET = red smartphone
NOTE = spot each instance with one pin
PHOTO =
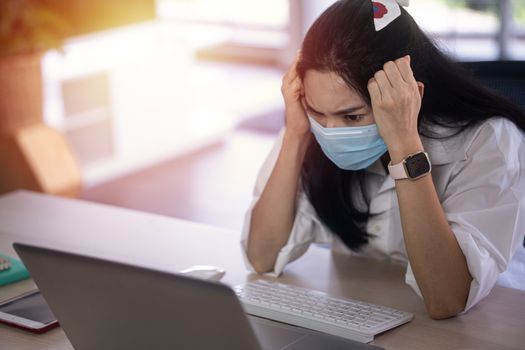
(28, 311)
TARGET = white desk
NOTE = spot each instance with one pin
(498, 322)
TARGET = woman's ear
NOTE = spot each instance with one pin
(421, 88)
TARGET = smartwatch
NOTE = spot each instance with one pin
(412, 167)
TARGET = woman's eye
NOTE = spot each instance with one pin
(353, 118)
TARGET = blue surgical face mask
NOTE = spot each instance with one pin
(350, 148)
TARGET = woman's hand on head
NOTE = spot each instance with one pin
(396, 101)
(296, 120)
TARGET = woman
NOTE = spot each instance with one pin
(393, 150)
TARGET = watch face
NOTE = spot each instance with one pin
(417, 165)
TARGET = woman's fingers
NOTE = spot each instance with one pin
(395, 77)
(395, 101)
(373, 89)
(296, 85)
(289, 76)
(292, 71)
(393, 74)
(382, 80)
(403, 65)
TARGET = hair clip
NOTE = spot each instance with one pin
(385, 11)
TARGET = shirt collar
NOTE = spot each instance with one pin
(377, 168)
(445, 150)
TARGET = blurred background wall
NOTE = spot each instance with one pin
(128, 94)
(139, 82)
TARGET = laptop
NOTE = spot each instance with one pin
(102, 304)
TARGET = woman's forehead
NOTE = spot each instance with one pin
(327, 90)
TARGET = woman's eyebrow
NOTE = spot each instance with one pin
(340, 112)
(349, 110)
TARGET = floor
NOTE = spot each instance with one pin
(212, 185)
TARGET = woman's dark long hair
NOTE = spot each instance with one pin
(343, 40)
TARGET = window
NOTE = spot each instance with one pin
(474, 29)
(268, 14)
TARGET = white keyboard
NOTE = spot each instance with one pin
(319, 311)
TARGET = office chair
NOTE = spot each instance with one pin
(505, 77)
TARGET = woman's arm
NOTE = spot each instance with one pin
(274, 213)
(439, 266)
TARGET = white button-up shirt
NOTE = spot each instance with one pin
(479, 177)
